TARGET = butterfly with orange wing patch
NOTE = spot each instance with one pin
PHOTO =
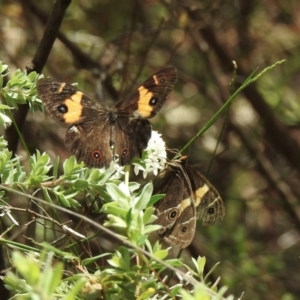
(99, 134)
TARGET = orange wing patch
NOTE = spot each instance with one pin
(74, 108)
(184, 204)
(200, 193)
(144, 108)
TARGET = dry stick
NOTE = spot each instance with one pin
(82, 58)
(37, 64)
(44, 48)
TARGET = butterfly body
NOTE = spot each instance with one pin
(188, 196)
(99, 134)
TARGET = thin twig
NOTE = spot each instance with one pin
(37, 64)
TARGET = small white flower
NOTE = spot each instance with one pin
(155, 156)
(119, 170)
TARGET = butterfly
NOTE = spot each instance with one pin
(188, 196)
(99, 134)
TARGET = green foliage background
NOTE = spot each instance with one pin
(257, 162)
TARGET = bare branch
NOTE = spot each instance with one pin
(37, 64)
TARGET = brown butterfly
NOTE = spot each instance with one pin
(188, 196)
(99, 134)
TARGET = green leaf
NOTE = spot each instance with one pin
(39, 168)
(72, 169)
(117, 194)
(81, 184)
(155, 198)
(114, 209)
(146, 294)
(68, 256)
(201, 264)
(144, 197)
(161, 254)
(114, 221)
(15, 284)
(133, 186)
(27, 266)
(3, 67)
(75, 290)
(56, 277)
(141, 240)
(88, 261)
(149, 216)
(69, 165)
(62, 199)
(211, 270)
(18, 246)
(151, 228)
(55, 168)
(46, 194)
(47, 274)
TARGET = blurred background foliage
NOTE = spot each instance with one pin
(109, 47)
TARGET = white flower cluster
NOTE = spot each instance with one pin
(154, 156)
(153, 159)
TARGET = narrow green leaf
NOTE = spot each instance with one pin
(55, 168)
(155, 198)
(63, 200)
(47, 274)
(76, 289)
(56, 277)
(151, 228)
(88, 261)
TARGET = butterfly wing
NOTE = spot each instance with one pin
(176, 211)
(132, 131)
(149, 98)
(97, 134)
(188, 194)
(131, 138)
(89, 142)
(208, 202)
(88, 136)
(66, 103)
